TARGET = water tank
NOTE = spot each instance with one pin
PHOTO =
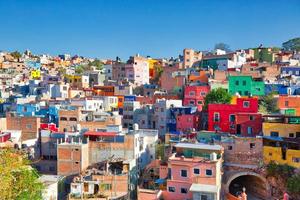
(135, 127)
(213, 156)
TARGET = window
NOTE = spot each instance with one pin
(161, 109)
(296, 159)
(297, 134)
(216, 117)
(244, 82)
(249, 130)
(203, 93)
(63, 119)
(192, 93)
(183, 173)
(251, 117)
(252, 145)
(274, 134)
(192, 102)
(203, 197)
(208, 172)
(230, 147)
(232, 118)
(291, 135)
(270, 154)
(286, 103)
(246, 93)
(246, 104)
(196, 171)
(183, 190)
(73, 119)
(200, 102)
(28, 126)
(236, 82)
(107, 186)
(171, 189)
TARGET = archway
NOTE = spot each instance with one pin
(256, 186)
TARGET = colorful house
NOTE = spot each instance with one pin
(194, 172)
(281, 126)
(195, 95)
(35, 74)
(187, 122)
(241, 117)
(282, 151)
(289, 104)
(246, 86)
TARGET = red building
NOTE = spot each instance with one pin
(194, 95)
(241, 118)
(4, 136)
(187, 122)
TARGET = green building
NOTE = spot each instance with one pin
(212, 62)
(245, 86)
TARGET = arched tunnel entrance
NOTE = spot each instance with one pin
(255, 185)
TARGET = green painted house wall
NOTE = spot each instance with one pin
(245, 86)
(212, 62)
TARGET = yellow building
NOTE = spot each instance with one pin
(35, 74)
(290, 157)
(281, 126)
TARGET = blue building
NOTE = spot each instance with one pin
(290, 70)
(173, 112)
(282, 89)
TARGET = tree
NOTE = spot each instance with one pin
(16, 54)
(18, 179)
(97, 63)
(293, 184)
(222, 46)
(219, 95)
(268, 104)
(292, 44)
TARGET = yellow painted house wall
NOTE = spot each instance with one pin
(283, 129)
(274, 154)
(35, 74)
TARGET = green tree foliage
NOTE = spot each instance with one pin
(158, 72)
(17, 179)
(293, 184)
(222, 46)
(268, 104)
(219, 95)
(97, 63)
(292, 44)
(16, 54)
(160, 151)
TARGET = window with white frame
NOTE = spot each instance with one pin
(216, 117)
(171, 189)
(208, 172)
(183, 173)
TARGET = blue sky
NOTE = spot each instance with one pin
(159, 28)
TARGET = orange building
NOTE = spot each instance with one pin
(103, 90)
(289, 102)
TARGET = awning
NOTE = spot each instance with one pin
(204, 188)
(160, 181)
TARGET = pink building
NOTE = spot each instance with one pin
(187, 122)
(195, 95)
(170, 79)
(194, 172)
(137, 70)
